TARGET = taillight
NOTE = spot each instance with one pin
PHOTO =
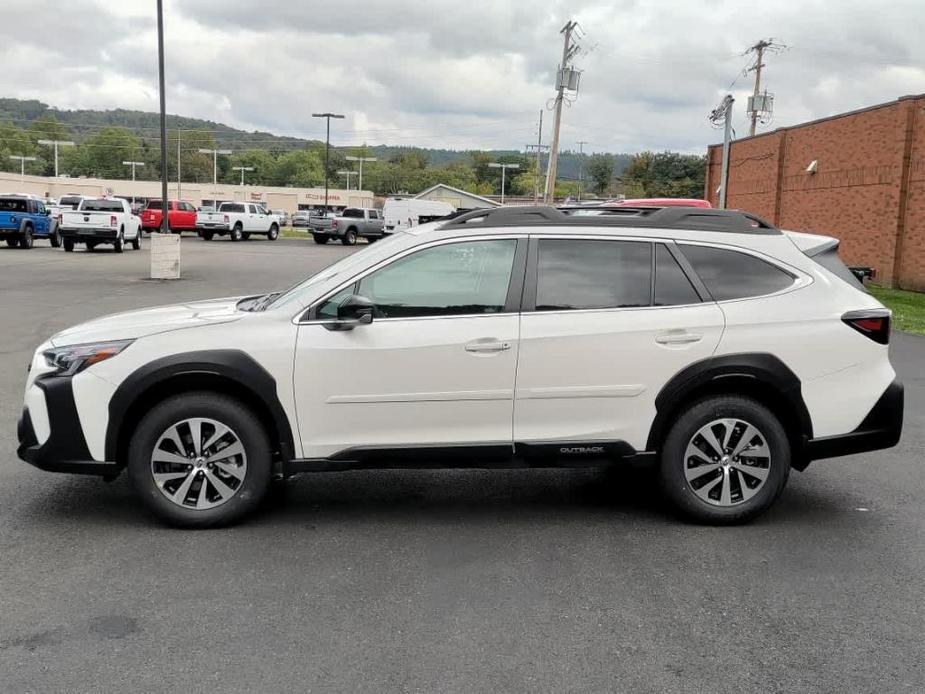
(227, 219)
(873, 323)
(334, 223)
(113, 220)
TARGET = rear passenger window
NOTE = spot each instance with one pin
(672, 288)
(733, 275)
(592, 274)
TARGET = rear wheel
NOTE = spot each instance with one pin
(200, 460)
(55, 238)
(349, 238)
(118, 244)
(273, 233)
(26, 240)
(12, 243)
(237, 232)
(68, 245)
(206, 236)
(320, 238)
(725, 460)
(91, 245)
(136, 242)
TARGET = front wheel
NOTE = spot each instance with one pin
(349, 238)
(237, 233)
(273, 233)
(12, 243)
(725, 460)
(55, 238)
(200, 459)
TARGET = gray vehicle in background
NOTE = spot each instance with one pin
(348, 226)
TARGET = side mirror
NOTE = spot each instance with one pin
(353, 311)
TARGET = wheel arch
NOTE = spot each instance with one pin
(760, 376)
(230, 372)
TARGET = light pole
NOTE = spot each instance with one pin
(242, 169)
(504, 168)
(348, 174)
(22, 166)
(327, 148)
(133, 164)
(361, 160)
(581, 156)
(55, 143)
(214, 153)
(165, 221)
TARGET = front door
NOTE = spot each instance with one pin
(436, 366)
(606, 324)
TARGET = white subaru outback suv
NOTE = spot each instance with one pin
(724, 349)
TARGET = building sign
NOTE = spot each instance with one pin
(319, 197)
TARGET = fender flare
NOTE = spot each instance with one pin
(26, 223)
(231, 366)
(763, 370)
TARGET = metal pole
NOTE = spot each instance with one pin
(327, 151)
(759, 47)
(503, 170)
(165, 225)
(56, 159)
(178, 162)
(727, 135)
(539, 154)
(214, 166)
(581, 156)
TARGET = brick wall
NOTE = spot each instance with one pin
(868, 190)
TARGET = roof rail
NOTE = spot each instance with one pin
(693, 218)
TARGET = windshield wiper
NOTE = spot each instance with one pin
(264, 301)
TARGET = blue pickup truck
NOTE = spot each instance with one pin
(24, 219)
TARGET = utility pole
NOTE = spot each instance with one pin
(348, 174)
(242, 169)
(133, 164)
(361, 160)
(327, 150)
(55, 143)
(538, 148)
(22, 166)
(214, 153)
(178, 161)
(758, 104)
(581, 153)
(723, 113)
(165, 205)
(565, 79)
(504, 168)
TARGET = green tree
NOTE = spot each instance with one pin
(600, 171)
(666, 174)
(48, 127)
(102, 155)
(301, 167)
(17, 142)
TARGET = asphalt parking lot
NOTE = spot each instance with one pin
(440, 580)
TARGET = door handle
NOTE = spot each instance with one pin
(488, 344)
(678, 338)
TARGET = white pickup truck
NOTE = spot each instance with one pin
(100, 220)
(238, 220)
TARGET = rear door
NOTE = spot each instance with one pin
(606, 323)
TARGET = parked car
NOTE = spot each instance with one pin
(24, 219)
(101, 220)
(403, 213)
(181, 216)
(302, 218)
(239, 220)
(723, 353)
(282, 216)
(348, 226)
(662, 202)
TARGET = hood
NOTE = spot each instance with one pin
(150, 321)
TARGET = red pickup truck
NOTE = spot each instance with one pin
(181, 216)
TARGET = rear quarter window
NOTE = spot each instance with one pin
(733, 275)
(830, 260)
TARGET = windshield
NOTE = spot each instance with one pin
(69, 202)
(12, 205)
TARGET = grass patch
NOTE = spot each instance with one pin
(290, 233)
(908, 307)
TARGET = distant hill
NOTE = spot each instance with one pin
(146, 124)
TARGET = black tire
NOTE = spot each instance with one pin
(273, 233)
(350, 237)
(237, 232)
(672, 465)
(91, 246)
(206, 235)
(55, 237)
(246, 236)
(68, 245)
(26, 240)
(12, 243)
(119, 242)
(225, 410)
(320, 238)
(136, 242)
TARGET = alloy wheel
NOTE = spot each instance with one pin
(727, 462)
(199, 463)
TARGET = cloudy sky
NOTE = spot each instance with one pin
(465, 73)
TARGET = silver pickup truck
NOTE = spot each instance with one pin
(351, 224)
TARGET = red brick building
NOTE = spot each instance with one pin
(868, 188)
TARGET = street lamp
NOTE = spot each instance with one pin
(22, 166)
(361, 160)
(504, 168)
(327, 148)
(55, 143)
(348, 174)
(242, 169)
(133, 164)
(214, 153)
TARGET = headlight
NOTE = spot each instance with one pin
(75, 358)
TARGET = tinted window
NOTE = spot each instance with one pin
(328, 309)
(101, 206)
(231, 207)
(12, 205)
(453, 279)
(593, 274)
(71, 202)
(672, 288)
(734, 275)
(352, 212)
(830, 261)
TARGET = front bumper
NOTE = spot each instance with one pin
(881, 428)
(91, 233)
(65, 449)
